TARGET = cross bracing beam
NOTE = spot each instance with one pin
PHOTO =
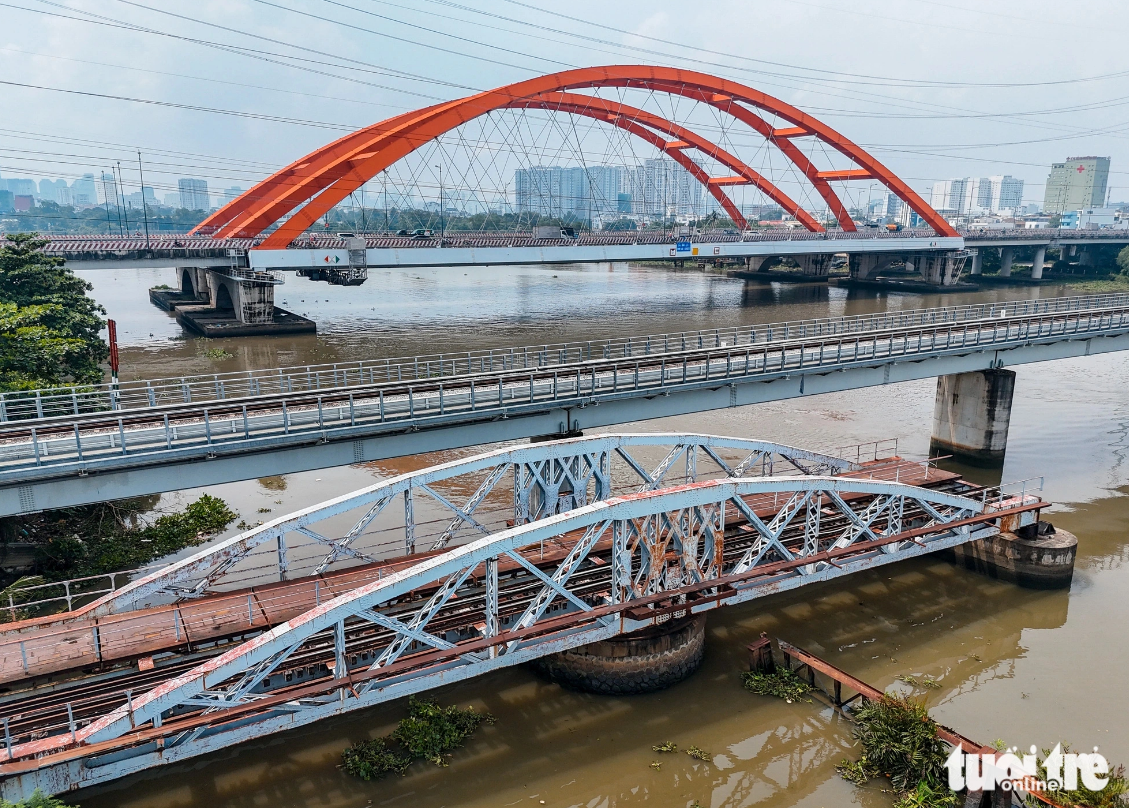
(72, 459)
(419, 628)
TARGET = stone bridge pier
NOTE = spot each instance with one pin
(235, 301)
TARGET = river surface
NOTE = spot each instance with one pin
(1023, 666)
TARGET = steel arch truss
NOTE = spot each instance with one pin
(594, 572)
(547, 479)
(311, 186)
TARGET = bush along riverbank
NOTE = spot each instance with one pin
(430, 733)
(93, 540)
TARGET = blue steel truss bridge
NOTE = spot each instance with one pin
(449, 572)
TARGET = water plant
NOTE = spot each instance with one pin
(781, 682)
(669, 746)
(699, 754)
(430, 733)
(899, 740)
(1114, 795)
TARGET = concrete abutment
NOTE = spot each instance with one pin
(641, 662)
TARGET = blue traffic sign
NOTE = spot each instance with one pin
(682, 246)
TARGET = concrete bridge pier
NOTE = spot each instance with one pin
(1037, 263)
(971, 416)
(1007, 256)
(864, 266)
(941, 269)
(641, 662)
(815, 265)
(977, 262)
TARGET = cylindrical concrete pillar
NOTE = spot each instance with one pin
(1036, 556)
(1007, 255)
(1037, 263)
(648, 660)
(971, 416)
(977, 262)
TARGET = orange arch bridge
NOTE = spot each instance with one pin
(308, 188)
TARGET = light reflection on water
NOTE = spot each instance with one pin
(1028, 667)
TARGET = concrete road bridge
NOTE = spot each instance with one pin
(71, 446)
(450, 572)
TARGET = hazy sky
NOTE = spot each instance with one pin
(935, 88)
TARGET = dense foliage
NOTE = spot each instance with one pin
(94, 539)
(430, 733)
(49, 327)
(1123, 260)
(36, 800)
(899, 741)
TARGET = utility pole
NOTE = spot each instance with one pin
(387, 224)
(106, 202)
(144, 205)
(121, 190)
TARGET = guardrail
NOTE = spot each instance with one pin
(38, 449)
(200, 389)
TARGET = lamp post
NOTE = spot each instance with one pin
(442, 219)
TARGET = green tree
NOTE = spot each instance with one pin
(49, 327)
(1123, 260)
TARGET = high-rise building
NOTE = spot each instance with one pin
(231, 193)
(107, 188)
(1077, 183)
(662, 187)
(84, 192)
(6, 200)
(585, 192)
(970, 196)
(194, 194)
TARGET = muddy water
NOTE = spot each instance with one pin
(1026, 667)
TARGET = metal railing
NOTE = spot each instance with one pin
(73, 592)
(109, 440)
(200, 389)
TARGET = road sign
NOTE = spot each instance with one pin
(682, 246)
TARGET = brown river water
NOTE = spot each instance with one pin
(1023, 666)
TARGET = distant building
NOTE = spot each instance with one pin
(22, 202)
(107, 188)
(973, 196)
(589, 193)
(171, 200)
(231, 193)
(193, 194)
(1089, 219)
(22, 187)
(6, 203)
(1077, 184)
(84, 192)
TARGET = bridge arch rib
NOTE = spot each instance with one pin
(327, 176)
(619, 560)
(538, 474)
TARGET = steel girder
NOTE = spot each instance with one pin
(548, 478)
(395, 636)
